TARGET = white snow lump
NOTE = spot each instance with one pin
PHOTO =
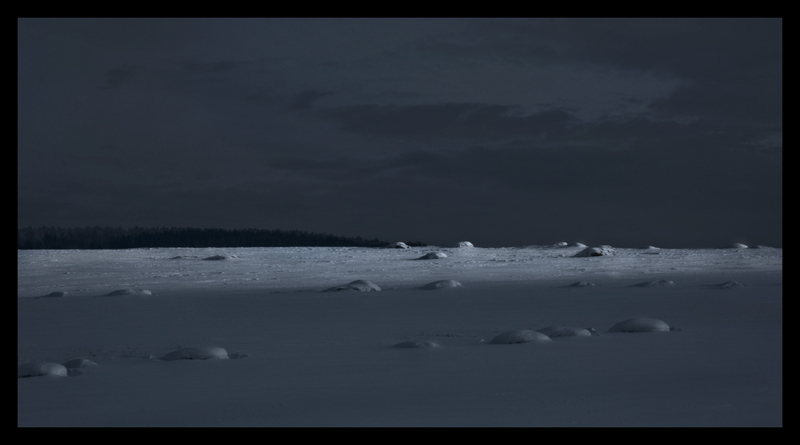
(641, 324)
(36, 369)
(441, 284)
(433, 256)
(358, 285)
(595, 251)
(207, 353)
(520, 336)
(119, 292)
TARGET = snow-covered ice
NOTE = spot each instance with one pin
(399, 357)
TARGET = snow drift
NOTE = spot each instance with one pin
(565, 331)
(206, 353)
(433, 256)
(520, 336)
(441, 284)
(640, 324)
(595, 251)
(358, 285)
(417, 344)
(37, 369)
(129, 292)
(654, 283)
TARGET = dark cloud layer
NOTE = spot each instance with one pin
(501, 131)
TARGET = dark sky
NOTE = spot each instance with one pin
(503, 132)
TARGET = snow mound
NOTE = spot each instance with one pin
(79, 363)
(520, 336)
(56, 294)
(417, 344)
(653, 283)
(565, 331)
(207, 353)
(433, 256)
(464, 244)
(219, 257)
(129, 292)
(441, 284)
(359, 285)
(582, 284)
(641, 324)
(561, 244)
(730, 285)
(581, 245)
(37, 369)
(595, 251)
(737, 246)
(398, 245)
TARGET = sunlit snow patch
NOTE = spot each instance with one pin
(398, 245)
(441, 284)
(129, 292)
(520, 336)
(464, 244)
(640, 324)
(433, 256)
(359, 285)
(36, 369)
(207, 353)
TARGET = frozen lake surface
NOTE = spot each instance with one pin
(298, 356)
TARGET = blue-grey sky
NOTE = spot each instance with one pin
(503, 132)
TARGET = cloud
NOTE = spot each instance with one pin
(449, 120)
(304, 100)
(120, 75)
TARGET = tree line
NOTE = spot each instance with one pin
(127, 238)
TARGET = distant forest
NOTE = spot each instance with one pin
(137, 237)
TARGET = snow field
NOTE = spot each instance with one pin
(402, 357)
